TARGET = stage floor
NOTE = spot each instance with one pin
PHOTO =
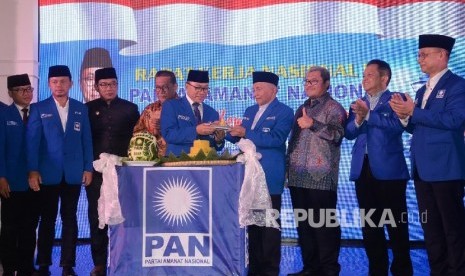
(352, 259)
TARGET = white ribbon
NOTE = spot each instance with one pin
(254, 198)
(109, 209)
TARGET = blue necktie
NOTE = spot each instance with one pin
(197, 115)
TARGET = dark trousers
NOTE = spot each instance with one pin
(49, 196)
(444, 225)
(319, 245)
(18, 232)
(98, 237)
(265, 246)
(384, 195)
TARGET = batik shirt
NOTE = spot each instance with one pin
(149, 121)
(314, 153)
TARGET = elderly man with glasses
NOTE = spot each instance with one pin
(188, 118)
(94, 59)
(313, 169)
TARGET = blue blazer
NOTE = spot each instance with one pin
(56, 153)
(178, 125)
(269, 136)
(381, 135)
(13, 164)
(437, 148)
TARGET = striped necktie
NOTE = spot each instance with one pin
(197, 115)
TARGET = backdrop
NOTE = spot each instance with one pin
(231, 39)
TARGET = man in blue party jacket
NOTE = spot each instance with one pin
(188, 118)
(59, 157)
(267, 124)
(380, 172)
(436, 120)
(19, 203)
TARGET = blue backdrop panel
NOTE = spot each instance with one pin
(231, 39)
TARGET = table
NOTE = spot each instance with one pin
(179, 221)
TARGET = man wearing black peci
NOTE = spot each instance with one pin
(112, 121)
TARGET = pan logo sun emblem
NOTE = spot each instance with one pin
(177, 201)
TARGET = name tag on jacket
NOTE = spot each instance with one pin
(184, 118)
(45, 115)
(11, 123)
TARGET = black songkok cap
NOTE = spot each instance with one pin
(436, 41)
(59, 71)
(96, 57)
(265, 77)
(17, 80)
(198, 76)
(105, 73)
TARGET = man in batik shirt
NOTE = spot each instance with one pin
(149, 121)
(313, 167)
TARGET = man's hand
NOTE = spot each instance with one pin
(360, 109)
(205, 129)
(238, 131)
(4, 188)
(219, 136)
(34, 180)
(219, 133)
(305, 121)
(402, 108)
(86, 178)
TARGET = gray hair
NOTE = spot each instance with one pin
(323, 72)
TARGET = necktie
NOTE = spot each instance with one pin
(197, 115)
(426, 95)
(25, 115)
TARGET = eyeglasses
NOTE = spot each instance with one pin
(23, 91)
(89, 81)
(425, 55)
(108, 84)
(163, 88)
(310, 82)
(199, 89)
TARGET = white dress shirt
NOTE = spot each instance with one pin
(63, 113)
(430, 86)
(200, 106)
(259, 114)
